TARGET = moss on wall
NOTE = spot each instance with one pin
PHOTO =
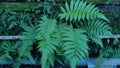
(18, 6)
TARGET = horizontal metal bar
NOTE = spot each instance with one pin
(11, 37)
(107, 62)
(105, 36)
(22, 37)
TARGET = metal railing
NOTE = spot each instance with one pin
(22, 37)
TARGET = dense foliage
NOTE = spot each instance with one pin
(53, 34)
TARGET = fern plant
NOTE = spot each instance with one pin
(63, 41)
(96, 28)
(10, 52)
(90, 20)
(110, 50)
(52, 37)
(78, 10)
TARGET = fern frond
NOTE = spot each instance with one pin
(47, 48)
(47, 60)
(58, 32)
(8, 48)
(79, 9)
(28, 55)
(96, 28)
(97, 40)
(46, 27)
(75, 44)
(47, 41)
(10, 52)
(116, 53)
(11, 46)
(29, 33)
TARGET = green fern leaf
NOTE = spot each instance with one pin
(96, 28)
(74, 46)
(97, 40)
(25, 48)
(46, 27)
(44, 59)
(78, 10)
(47, 49)
(47, 60)
(10, 51)
(11, 46)
(73, 63)
(29, 56)
(47, 41)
